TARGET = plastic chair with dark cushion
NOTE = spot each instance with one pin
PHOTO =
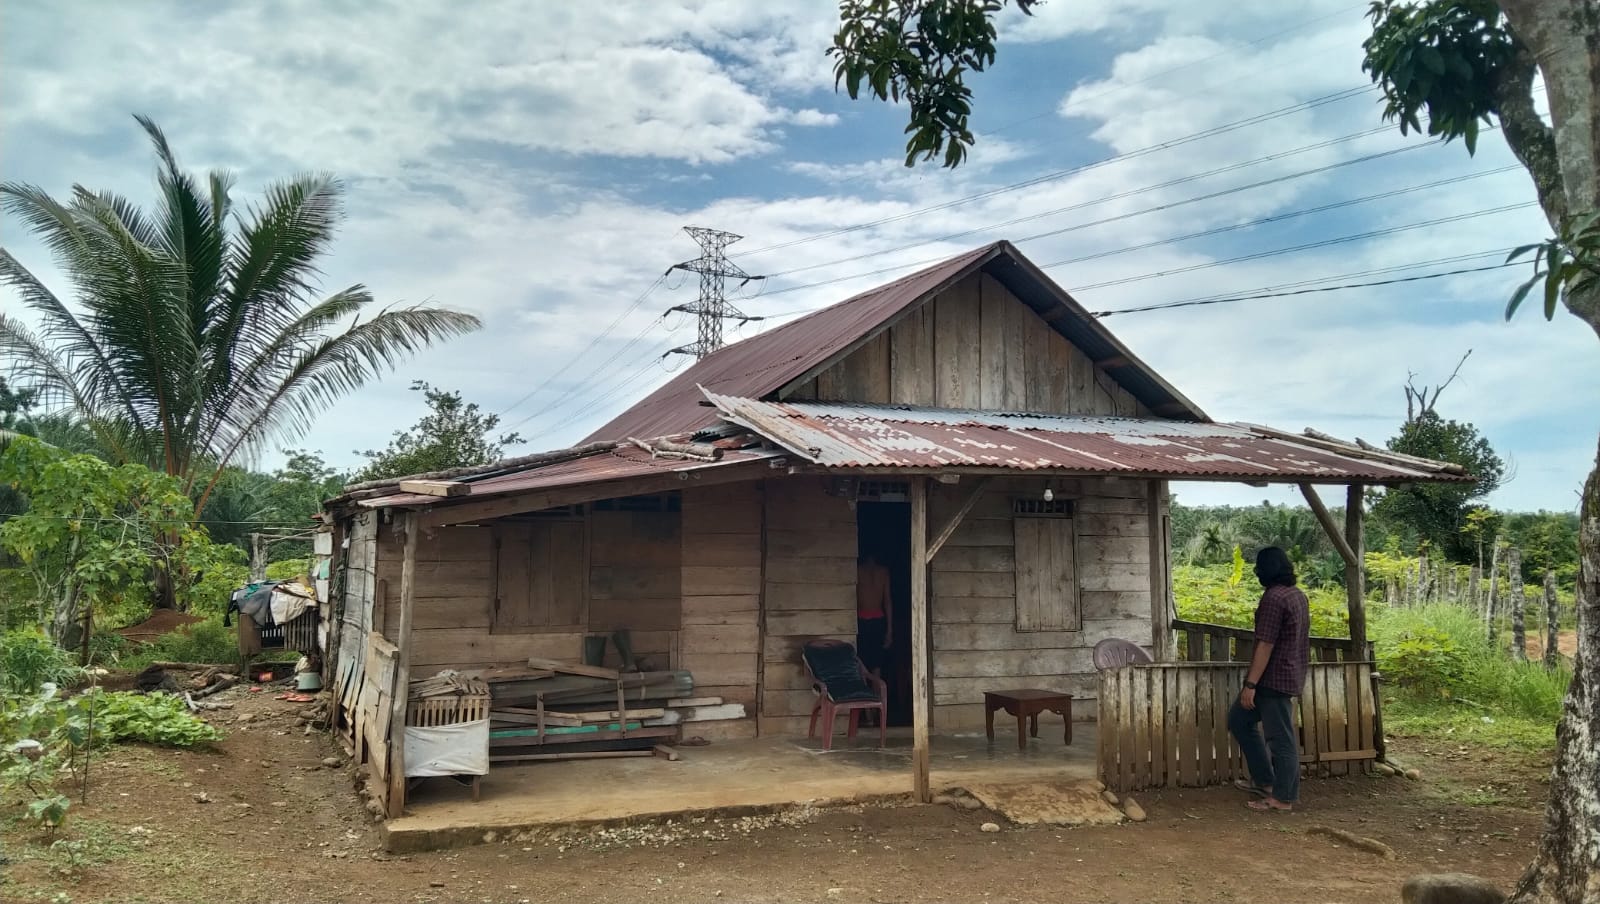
(1114, 653)
(842, 684)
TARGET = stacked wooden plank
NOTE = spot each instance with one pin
(560, 710)
(447, 698)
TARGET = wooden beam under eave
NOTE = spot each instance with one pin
(1161, 616)
(435, 487)
(1334, 532)
(402, 668)
(538, 500)
(945, 532)
(920, 695)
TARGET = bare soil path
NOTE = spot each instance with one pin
(261, 820)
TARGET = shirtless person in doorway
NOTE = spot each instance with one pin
(874, 613)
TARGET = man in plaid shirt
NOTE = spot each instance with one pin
(1276, 676)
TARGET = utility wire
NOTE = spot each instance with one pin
(1061, 174)
(577, 385)
(1196, 302)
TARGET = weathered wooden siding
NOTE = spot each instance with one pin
(809, 590)
(975, 346)
(976, 643)
(720, 638)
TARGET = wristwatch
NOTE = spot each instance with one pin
(1250, 685)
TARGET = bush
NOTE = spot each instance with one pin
(1227, 595)
(29, 660)
(207, 641)
(152, 718)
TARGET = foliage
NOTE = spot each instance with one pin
(94, 532)
(152, 718)
(1442, 57)
(1211, 594)
(918, 51)
(207, 641)
(1437, 512)
(29, 660)
(225, 298)
(245, 501)
(453, 434)
(1569, 259)
(1208, 534)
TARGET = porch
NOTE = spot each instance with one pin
(737, 778)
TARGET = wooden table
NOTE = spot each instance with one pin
(1026, 704)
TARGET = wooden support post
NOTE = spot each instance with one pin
(1162, 641)
(948, 530)
(402, 667)
(1335, 535)
(1355, 584)
(919, 638)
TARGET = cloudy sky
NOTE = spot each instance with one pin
(534, 163)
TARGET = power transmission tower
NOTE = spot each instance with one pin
(712, 307)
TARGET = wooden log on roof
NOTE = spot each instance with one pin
(435, 487)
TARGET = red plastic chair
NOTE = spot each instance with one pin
(843, 684)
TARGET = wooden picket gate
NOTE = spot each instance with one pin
(1163, 724)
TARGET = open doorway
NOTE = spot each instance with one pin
(883, 531)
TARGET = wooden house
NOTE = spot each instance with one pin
(970, 425)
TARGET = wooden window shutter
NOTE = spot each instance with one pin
(1047, 575)
(540, 570)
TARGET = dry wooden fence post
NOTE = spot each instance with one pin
(1491, 610)
(1552, 621)
(1475, 589)
(1519, 633)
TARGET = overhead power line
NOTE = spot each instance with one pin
(1061, 174)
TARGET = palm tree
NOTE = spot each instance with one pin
(199, 333)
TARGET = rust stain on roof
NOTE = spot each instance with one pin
(843, 435)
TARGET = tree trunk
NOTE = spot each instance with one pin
(1491, 612)
(1519, 605)
(1552, 622)
(1475, 590)
(1566, 869)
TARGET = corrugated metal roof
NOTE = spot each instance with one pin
(762, 365)
(626, 462)
(837, 435)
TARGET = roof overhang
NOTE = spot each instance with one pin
(844, 436)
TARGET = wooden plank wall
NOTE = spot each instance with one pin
(973, 585)
(720, 638)
(975, 346)
(1163, 725)
(809, 588)
(357, 619)
(633, 582)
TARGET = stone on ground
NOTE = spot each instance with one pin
(989, 827)
(1450, 888)
(1047, 803)
(1131, 808)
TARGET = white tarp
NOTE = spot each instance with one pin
(460, 749)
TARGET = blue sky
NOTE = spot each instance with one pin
(534, 163)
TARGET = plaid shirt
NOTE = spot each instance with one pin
(1283, 619)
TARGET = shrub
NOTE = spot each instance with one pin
(152, 718)
(29, 660)
(207, 641)
(1225, 595)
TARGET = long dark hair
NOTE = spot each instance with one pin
(1273, 568)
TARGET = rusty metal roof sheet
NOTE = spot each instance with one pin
(625, 462)
(764, 364)
(838, 435)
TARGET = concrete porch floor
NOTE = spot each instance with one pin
(729, 777)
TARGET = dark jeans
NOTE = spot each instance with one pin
(1274, 714)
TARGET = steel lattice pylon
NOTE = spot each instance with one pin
(712, 307)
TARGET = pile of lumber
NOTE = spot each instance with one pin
(449, 683)
(560, 710)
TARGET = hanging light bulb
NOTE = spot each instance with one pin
(1049, 495)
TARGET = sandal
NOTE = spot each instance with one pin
(1268, 805)
(1244, 784)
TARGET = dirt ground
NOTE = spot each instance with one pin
(261, 820)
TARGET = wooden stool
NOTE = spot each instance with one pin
(1026, 704)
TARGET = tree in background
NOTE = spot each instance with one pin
(453, 434)
(1460, 63)
(200, 331)
(1437, 512)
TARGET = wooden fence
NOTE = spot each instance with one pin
(1202, 642)
(1164, 724)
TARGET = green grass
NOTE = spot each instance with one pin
(1448, 721)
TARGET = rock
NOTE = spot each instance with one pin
(1099, 785)
(1449, 888)
(200, 797)
(491, 837)
(1110, 797)
(989, 827)
(311, 715)
(970, 803)
(1414, 774)
(332, 762)
(1132, 810)
(835, 892)
(244, 717)
(948, 800)
(1385, 769)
